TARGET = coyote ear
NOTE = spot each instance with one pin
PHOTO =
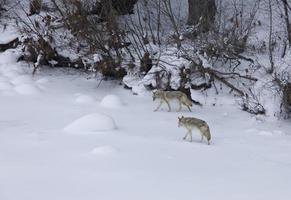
(182, 117)
(179, 118)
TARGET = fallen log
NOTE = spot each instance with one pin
(9, 45)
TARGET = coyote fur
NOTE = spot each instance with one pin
(191, 122)
(167, 96)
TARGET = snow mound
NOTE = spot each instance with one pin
(5, 85)
(91, 123)
(278, 132)
(271, 133)
(84, 99)
(26, 89)
(22, 79)
(104, 150)
(8, 93)
(3, 79)
(9, 57)
(265, 133)
(42, 81)
(111, 101)
(10, 73)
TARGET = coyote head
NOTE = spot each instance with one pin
(156, 94)
(180, 121)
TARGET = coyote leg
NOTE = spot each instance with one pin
(190, 132)
(168, 106)
(184, 138)
(189, 108)
(158, 106)
(180, 108)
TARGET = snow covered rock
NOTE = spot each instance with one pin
(112, 101)
(135, 84)
(91, 123)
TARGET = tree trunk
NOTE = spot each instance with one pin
(201, 12)
(121, 7)
(286, 11)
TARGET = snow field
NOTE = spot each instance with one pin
(61, 143)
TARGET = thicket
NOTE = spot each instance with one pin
(152, 42)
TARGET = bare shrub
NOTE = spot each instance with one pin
(35, 7)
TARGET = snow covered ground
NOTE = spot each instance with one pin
(64, 138)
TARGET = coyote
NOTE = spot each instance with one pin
(191, 122)
(166, 96)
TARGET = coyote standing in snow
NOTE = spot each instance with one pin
(166, 96)
(191, 122)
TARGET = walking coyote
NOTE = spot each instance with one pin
(191, 122)
(167, 96)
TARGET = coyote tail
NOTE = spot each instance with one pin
(208, 135)
(187, 100)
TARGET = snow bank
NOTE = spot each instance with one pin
(111, 101)
(104, 150)
(91, 123)
(13, 78)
